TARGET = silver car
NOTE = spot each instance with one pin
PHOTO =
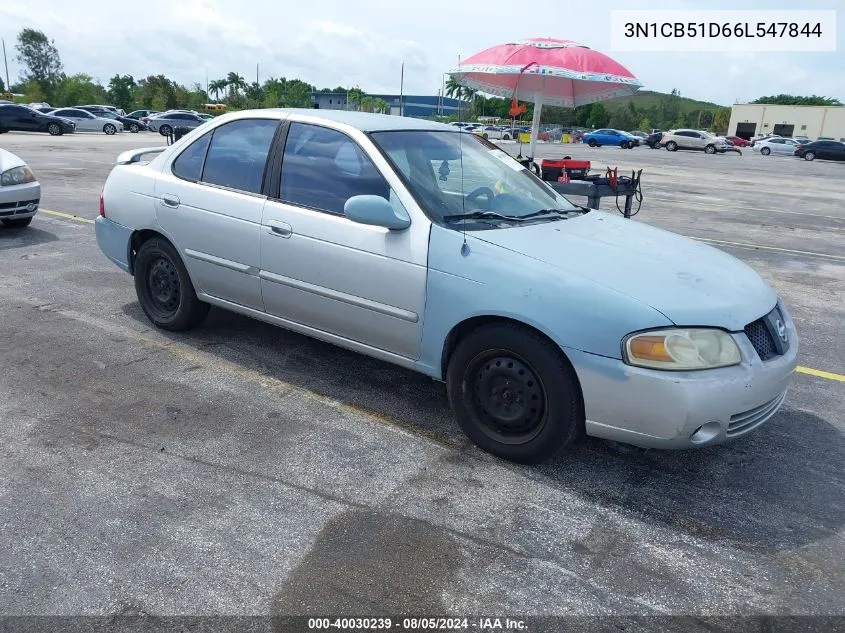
(87, 122)
(776, 145)
(430, 248)
(166, 122)
(20, 192)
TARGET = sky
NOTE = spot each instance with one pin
(332, 43)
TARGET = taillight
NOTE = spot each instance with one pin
(102, 206)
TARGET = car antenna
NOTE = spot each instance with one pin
(464, 246)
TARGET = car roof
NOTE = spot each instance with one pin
(364, 121)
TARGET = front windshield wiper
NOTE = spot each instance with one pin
(482, 215)
(558, 212)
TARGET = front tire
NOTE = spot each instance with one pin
(109, 129)
(514, 393)
(809, 156)
(592, 142)
(17, 223)
(765, 151)
(710, 149)
(54, 129)
(134, 128)
(164, 288)
(672, 146)
(624, 145)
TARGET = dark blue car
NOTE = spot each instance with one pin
(607, 136)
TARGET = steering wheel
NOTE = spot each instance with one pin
(482, 191)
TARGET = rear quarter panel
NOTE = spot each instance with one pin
(128, 196)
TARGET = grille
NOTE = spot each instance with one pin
(751, 419)
(12, 208)
(760, 337)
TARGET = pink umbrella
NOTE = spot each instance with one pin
(546, 71)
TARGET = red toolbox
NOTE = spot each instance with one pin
(553, 168)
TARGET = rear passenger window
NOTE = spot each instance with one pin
(238, 153)
(323, 168)
(188, 165)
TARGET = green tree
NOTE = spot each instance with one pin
(39, 57)
(598, 116)
(155, 87)
(76, 89)
(33, 92)
(621, 119)
(644, 125)
(721, 120)
(297, 94)
(2, 85)
(159, 100)
(367, 104)
(381, 106)
(254, 92)
(355, 97)
(120, 91)
(454, 89)
(235, 82)
(784, 99)
(217, 87)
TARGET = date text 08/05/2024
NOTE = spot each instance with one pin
(487, 625)
(726, 29)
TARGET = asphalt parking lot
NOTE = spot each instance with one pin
(243, 469)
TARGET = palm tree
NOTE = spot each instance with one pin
(367, 104)
(380, 105)
(216, 87)
(453, 88)
(235, 82)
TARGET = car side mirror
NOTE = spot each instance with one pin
(376, 211)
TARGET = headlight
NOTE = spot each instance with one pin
(681, 349)
(16, 176)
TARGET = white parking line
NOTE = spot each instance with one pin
(770, 248)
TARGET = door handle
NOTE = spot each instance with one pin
(279, 229)
(169, 200)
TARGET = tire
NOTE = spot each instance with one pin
(164, 288)
(506, 137)
(592, 142)
(809, 156)
(134, 128)
(496, 374)
(109, 129)
(672, 146)
(710, 149)
(765, 151)
(17, 223)
(624, 145)
(54, 129)
(165, 130)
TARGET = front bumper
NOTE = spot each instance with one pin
(20, 201)
(114, 240)
(678, 410)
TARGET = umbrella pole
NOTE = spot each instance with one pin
(535, 125)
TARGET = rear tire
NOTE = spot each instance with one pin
(514, 393)
(165, 130)
(17, 223)
(164, 288)
(592, 142)
(765, 151)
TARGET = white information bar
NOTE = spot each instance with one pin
(723, 31)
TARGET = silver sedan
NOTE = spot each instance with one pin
(20, 192)
(775, 145)
(166, 122)
(87, 122)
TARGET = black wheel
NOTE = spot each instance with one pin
(506, 137)
(765, 151)
(592, 142)
(624, 145)
(484, 136)
(514, 393)
(165, 130)
(17, 223)
(54, 129)
(109, 129)
(164, 288)
(710, 149)
(134, 128)
(809, 155)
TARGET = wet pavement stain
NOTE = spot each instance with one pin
(365, 564)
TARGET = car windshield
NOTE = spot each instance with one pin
(461, 178)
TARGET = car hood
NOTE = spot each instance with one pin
(687, 281)
(9, 160)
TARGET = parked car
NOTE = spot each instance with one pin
(639, 135)
(653, 140)
(20, 118)
(763, 137)
(133, 125)
(87, 122)
(802, 139)
(116, 110)
(20, 192)
(828, 150)
(738, 142)
(422, 246)
(606, 136)
(693, 139)
(775, 146)
(165, 122)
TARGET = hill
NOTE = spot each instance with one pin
(648, 99)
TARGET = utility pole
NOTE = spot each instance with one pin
(6, 63)
(401, 90)
(256, 75)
